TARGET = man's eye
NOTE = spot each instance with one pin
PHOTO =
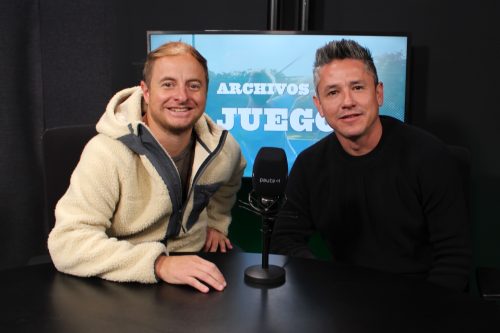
(168, 84)
(358, 87)
(194, 86)
(332, 92)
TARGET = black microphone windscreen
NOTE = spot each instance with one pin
(270, 172)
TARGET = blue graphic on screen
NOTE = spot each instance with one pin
(261, 85)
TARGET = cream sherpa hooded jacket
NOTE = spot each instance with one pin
(123, 207)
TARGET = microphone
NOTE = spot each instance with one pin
(269, 178)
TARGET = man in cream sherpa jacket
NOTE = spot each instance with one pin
(123, 212)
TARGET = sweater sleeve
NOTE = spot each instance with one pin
(294, 227)
(446, 211)
(79, 243)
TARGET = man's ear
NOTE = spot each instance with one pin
(317, 102)
(380, 93)
(145, 91)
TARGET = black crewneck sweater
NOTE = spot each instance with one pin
(400, 208)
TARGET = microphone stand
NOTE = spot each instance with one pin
(269, 275)
(267, 230)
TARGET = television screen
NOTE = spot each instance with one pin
(261, 83)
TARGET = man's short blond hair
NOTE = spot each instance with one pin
(172, 49)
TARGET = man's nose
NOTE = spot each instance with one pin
(181, 93)
(348, 99)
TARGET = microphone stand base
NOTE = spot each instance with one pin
(272, 276)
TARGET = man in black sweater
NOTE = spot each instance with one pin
(383, 194)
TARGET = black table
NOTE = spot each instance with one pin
(316, 297)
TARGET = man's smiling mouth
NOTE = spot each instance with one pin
(350, 115)
(179, 109)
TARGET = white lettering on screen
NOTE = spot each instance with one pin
(273, 119)
(256, 88)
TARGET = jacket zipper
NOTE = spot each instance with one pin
(200, 172)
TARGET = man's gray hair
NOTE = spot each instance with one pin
(339, 50)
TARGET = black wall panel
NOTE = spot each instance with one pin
(454, 71)
(91, 49)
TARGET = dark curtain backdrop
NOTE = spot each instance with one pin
(21, 125)
(61, 61)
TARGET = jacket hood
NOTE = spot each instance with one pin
(123, 116)
(123, 113)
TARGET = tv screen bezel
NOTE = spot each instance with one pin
(405, 35)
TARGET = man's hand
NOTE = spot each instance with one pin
(216, 239)
(191, 270)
